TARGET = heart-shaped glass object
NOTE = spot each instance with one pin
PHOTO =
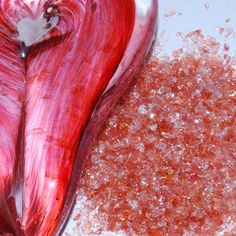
(63, 66)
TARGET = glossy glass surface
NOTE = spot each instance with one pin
(59, 80)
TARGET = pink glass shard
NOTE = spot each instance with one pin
(163, 163)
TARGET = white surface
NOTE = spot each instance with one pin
(190, 15)
(196, 14)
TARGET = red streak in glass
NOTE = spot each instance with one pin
(56, 100)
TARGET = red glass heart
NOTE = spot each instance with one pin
(56, 99)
